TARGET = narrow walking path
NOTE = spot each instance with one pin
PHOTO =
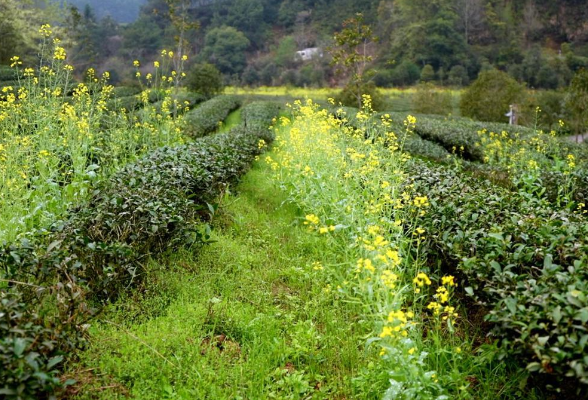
(245, 317)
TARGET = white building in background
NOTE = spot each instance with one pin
(309, 54)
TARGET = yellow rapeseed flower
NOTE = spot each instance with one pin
(45, 30)
(59, 53)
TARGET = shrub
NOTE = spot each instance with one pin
(460, 138)
(577, 101)
(257, 114)
(430, 100)
(348, 96)
(207, 117)
(205, 79)
(525, 260)
(29, 353)
(489, 97)
(128, 103)
(125, 91)
(551, 104)
(417, 146)
(98, 251)
(7, 74)
(428, 73)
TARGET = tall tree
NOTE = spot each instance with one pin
(426, 32)
(225, 47)
(473, 16)
(350, 54)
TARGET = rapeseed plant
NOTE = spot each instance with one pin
(350, 181)
(60, 137)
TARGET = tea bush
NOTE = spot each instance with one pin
(125, 91)
(7, 74)
(207, 117)
(523, 259)
(29, 352)
(257, 114)
(88, 258)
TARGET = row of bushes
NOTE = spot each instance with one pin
(7, 74)
(58, 278)
(526, 262)
(522, 258)
(207, 117)
(445, 140)
(128, 98)
(257, 113)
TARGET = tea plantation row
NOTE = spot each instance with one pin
(523, 260)
(522, 257)
(58, 278)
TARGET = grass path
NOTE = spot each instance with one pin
(246, 317)
(232, 120)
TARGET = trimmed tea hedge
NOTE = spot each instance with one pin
(207, 117)
(125, 91)
(412, 143)
(527, 262)
(7, 74)
(258, 113)
(60, 277)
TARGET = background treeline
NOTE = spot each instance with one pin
(254, 42)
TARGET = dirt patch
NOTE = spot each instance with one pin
(221, 344)
(90, 381)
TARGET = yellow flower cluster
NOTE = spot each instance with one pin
(441, 306)
(353, 174)
(41, 127)
(59, 53)
(397, 324)
(389, 279)
(45, 30)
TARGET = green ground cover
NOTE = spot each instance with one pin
(245, 317)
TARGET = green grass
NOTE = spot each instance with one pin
(244, 317)
(233, 119)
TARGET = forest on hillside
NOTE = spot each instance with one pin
(125, 11)
(254, 42)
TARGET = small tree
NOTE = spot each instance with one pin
(350, 55)
(429, 100)
(458, 76)
(427, 73)
(490, 96)
(205, 79)
(182, 23)
(577, 102)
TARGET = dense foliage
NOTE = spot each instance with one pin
(511, 224)
(258, 113)
(205, 79)
(207, 117)
(522, 258)
(541, 43)
(490, 96)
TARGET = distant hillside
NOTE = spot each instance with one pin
(123, 11)
(541, 43)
